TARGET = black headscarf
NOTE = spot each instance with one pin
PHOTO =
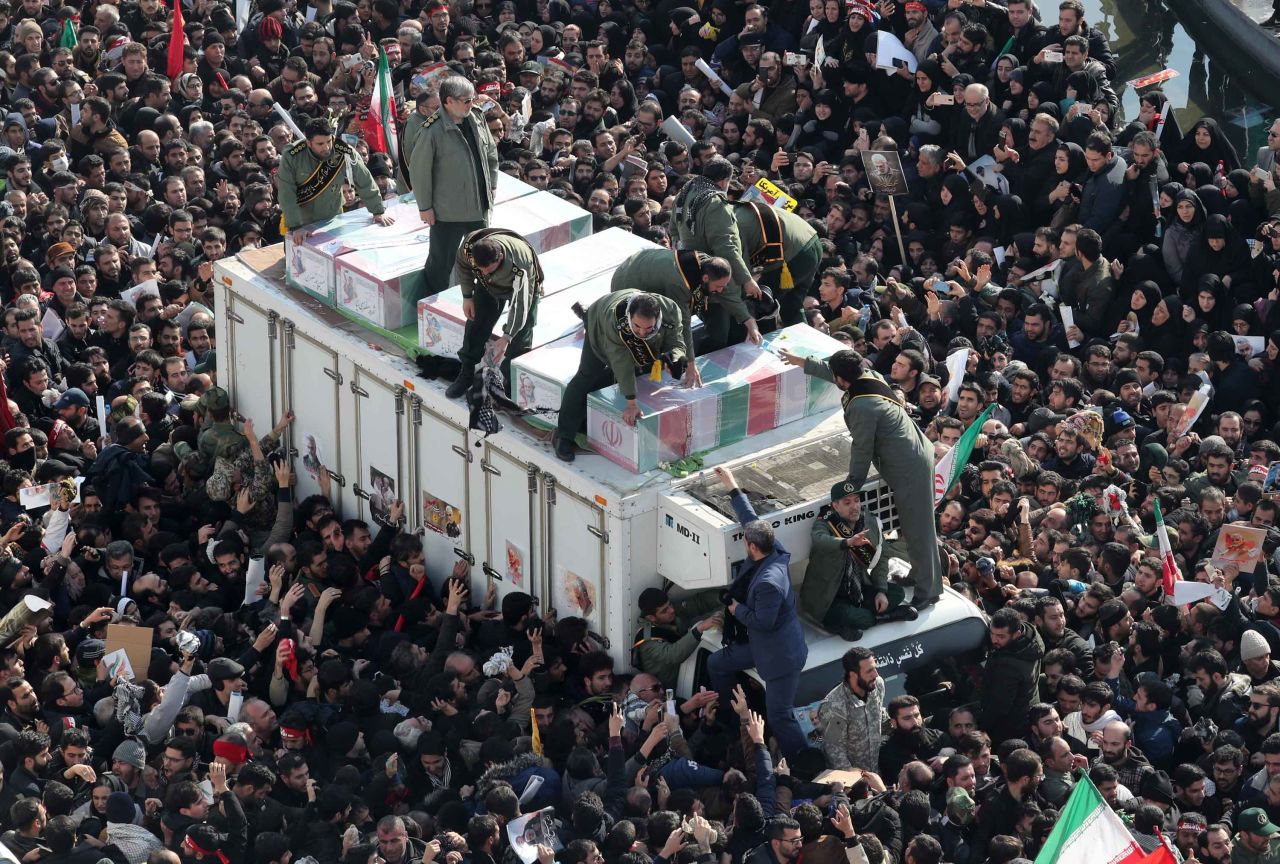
(1219, 149)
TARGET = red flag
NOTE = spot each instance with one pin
(1162, 854)
(177, 41)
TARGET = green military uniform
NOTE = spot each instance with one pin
(453, 171)
(774, 238)
(881, 431)
(217, 438)
(841, 581)
(678, 276)
(518, 281)
(704, 220)
(408, 136)
(610, 352)
(310, 189)
(660, 651)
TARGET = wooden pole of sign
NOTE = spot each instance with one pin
(897, 230)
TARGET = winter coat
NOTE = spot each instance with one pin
(1009, 684)
(1156, 734)
(1102, 197)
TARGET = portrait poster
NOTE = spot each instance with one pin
(441, 517)
(1239, 546)
(1271, 486)
(884, 172)
(382, 494)
(575, 594)
(532, 830)
(515, 565)
(312, 456)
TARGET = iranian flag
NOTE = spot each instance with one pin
(177, 42)
(380, 122)
(1168, 567)
(1089, 832)
(947, 472)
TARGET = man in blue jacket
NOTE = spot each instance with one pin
(762, 619)
(1102, 197)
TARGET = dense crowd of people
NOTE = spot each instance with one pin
(352, 711)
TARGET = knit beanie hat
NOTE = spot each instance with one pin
(1253, 645)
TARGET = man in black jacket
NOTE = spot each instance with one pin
(909, 740)
(1012, 675)
(1003, 809)
(1051, 622)
(977, 127)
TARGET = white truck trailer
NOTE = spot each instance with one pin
(585, 537)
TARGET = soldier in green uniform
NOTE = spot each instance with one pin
(749, 234)
(846, 586)
(218, 433)
(703, 220)
(787, 247)
(700, 284)
(310, 180)
(496, 267)
(453, 170)
(409, 136)
(626, 330)
(881, 431)
(667, 636)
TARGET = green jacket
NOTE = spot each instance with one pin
(656, 271)
(827, 557)
(660, 651)
(1241, 855)
(298, 163)
(408, 136)
(606, 341)
(880, 431)
(442, 168)
(519, 265)
(796, 233)
(219, 439)
(715, 232)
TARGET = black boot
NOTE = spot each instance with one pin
(900, 613)
(922, 603)
(849, 634)
(460, 384)
(564, 450)
(1273, 21)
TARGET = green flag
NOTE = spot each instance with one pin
(68, 38)
(947, 471)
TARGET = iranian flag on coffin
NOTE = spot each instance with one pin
(1089, 832)
(380, 122)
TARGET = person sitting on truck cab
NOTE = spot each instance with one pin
(846, 586)
(665, 638)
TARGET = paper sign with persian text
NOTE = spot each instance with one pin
(769, 192)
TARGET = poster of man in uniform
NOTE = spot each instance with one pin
(312, 461)
(884, 172)
(532, 830)
(382, 495)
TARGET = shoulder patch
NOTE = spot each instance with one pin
(298, 147)
(342, 147)
(433, 118)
